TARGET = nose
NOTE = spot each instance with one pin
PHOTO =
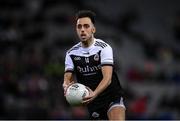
(82, 30)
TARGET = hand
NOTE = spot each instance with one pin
(89, 98)
(65, 87)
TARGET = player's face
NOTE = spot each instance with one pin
(85, 29)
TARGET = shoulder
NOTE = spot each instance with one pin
(102, 44)
(75, 47)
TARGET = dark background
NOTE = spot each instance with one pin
(35, 34)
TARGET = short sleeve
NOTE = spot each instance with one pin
(69, 66)
(107, 56)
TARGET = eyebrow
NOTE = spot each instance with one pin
(83, 24)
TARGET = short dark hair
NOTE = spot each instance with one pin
(86, 13)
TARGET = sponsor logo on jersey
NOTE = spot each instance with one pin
(96, 57)
(88, 69)
(77, 58)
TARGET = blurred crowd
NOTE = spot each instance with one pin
(35, 34)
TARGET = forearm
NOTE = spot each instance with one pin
(106, 81)
(68, 78)
(102, 86)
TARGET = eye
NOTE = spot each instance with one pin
(79, 26)
(86, 26)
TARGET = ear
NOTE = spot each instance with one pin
(93, 30)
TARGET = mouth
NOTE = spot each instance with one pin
(83, 36)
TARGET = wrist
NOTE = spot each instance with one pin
(96, 93)
(64, 86)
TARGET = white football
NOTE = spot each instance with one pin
(75, 94)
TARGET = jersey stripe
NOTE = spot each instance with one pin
(107, 64)
(76, 47)
(101, 44)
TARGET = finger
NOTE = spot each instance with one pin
(66, 87)
(65, 90)
(69, 85)
(88, 97)
(89, 89)
(86, 101)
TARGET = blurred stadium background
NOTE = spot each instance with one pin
(34, 35)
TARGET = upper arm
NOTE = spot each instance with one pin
(107, 56)
(107, 62)
(69, 66)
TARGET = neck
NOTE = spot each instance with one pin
(88, 43)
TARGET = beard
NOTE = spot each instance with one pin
(85, 38)
(86, 41)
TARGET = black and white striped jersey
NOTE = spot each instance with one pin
(86, 64)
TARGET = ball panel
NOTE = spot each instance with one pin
(75, 94)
